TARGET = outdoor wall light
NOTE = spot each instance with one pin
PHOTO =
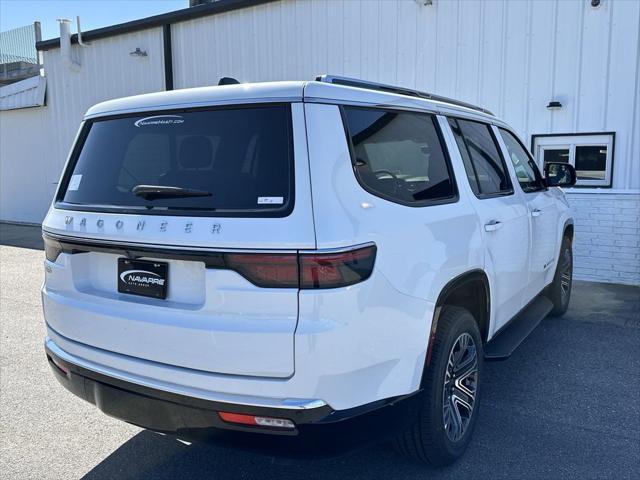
(554, 105)
(138, 53)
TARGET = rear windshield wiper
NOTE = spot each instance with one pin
(152, 192)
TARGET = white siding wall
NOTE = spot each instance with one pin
(34, 142)
(24, 142)
(510, 56)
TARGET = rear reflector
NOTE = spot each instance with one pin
(304, 270)
(255, 421)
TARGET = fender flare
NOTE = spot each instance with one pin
(568, 223)
(453, 284)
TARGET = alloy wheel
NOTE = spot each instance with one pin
(460, 387)
(565, 276)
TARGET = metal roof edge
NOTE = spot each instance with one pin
(221, 6)
(26, 93)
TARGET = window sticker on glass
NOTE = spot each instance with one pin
(159, 120)
(270, 200)
(74, 183)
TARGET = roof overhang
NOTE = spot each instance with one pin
(214, 8)
(26, 93)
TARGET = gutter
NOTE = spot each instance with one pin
(215, 8)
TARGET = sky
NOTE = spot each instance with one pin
(93, 13)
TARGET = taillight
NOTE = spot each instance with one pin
(304, 270)
(331, 270)
(52, 249)
(265, 269)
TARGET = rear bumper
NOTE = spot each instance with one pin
(318, 431)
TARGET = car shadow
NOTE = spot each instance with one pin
(552, 410)
(151, 456)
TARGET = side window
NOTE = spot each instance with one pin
(399, 156)
(486, 170)
(466, 159)
(527, 172)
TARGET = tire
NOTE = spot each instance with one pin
(559, 291)
(431, 439)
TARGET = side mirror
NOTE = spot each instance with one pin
(559, 174)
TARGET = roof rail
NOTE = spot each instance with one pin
(356, 82)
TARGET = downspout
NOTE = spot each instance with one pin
(80, 42)
(168, 56)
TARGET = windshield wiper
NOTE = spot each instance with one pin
(153, 192)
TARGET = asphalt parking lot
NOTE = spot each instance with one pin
(565, 405)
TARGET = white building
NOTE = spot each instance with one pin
(513, 57)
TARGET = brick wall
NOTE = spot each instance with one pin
(606, 244)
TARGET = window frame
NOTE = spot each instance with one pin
(571, 146)
(85, 128)
(543, 185)
(480, 195)
(443, 144)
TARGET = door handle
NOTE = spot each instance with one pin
(536, 212)
(492, 226)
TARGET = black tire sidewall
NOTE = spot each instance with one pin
(566, 247)
(463, 322)
(561, 305)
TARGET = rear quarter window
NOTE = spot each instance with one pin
(239, 160)
(399, 156)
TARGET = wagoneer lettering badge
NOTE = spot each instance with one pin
(216, 227)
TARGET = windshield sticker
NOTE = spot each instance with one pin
(159, 120)
(74, 183)
(270, 200)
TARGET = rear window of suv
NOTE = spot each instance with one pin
(224, 161)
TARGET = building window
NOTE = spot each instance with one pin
(591, 154)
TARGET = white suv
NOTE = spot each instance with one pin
(327, 261)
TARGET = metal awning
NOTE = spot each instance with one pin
(23, 94)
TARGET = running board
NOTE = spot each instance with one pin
(501, 346)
